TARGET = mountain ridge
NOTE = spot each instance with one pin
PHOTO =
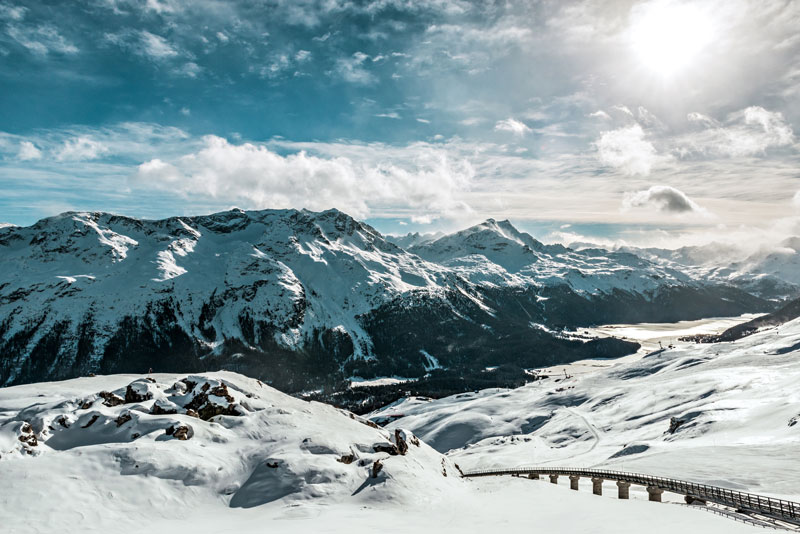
(305, 299)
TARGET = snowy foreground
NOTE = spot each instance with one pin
(106, 454)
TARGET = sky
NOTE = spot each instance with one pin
(656, 122)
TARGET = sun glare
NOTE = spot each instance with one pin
(668, 36)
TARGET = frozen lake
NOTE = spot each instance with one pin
(649, 335)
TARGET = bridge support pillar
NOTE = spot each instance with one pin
(533, 476)
(573, 482)
(623, 489)
(597, 486)
(654, 493)
(553, 479)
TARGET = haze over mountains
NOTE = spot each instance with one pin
(306, 299)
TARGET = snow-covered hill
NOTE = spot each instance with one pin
(306, 299)
(222, 453)
(726, 414)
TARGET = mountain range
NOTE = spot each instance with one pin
(305, 300)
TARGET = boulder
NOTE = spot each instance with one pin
(137, 392)
(376, 468)
(181, 432)
(109, 399)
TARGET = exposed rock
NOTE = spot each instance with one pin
(86, 405)
(192, 413)
(123, 418)
(444, 468)
(63, 421)
(134, 436)
(162, 407)
(181, 432)
(109, 399)
(91, 421)
(206, 409)
(136, 392)
(389, 448)
(376, 468)
(28, 437)
(189, 384)
(363, 421)
(402, 446)
(793, 420)
(347, 459)
(674, 424)
(273, 465)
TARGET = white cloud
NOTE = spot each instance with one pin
(155, 46)
(189, 69)
(351, 69)
(662, 198)
(796, 200)
(145, 44)
(302, 55)
(250, 175)
(600, 114)
(627, 150)
(41, 40)
(512, 125)
(748, 132)
(8, 12)
(423, 219)
(390, 115)
(28, 151)
(80, 148)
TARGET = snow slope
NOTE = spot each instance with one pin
(734, 410)
(100, 454)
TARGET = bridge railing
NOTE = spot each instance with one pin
(776, 508)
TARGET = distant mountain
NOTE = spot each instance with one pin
(413, 238)
(770, 272)
(305, 300)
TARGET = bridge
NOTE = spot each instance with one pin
(787, 513)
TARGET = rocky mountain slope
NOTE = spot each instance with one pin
(303, 300)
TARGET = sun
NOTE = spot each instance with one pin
(668, 36)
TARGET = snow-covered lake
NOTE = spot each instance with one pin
(651, 336)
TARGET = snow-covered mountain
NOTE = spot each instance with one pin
(769, 271)
(413, 238)
(305, 299)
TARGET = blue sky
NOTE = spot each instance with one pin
(659, 122)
